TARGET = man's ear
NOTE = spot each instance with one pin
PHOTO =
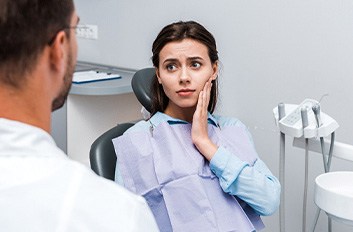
(57, 52)
(157, 74)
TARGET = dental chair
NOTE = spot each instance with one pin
(102, 154)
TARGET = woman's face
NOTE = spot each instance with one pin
(184, 68)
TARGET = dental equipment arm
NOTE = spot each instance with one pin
(281, 114)
(305, 123)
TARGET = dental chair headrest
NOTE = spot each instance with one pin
(141, 85)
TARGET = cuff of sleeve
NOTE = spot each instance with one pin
(225, 165)
(219, 161)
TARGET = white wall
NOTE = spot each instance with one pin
(271, 51)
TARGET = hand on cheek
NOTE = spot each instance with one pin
(199, 131)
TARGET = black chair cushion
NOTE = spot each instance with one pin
(102, 153)
(141, 85)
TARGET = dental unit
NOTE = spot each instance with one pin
(304, 122)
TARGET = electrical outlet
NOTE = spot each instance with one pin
(87, 31)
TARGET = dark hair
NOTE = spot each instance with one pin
(26, 27)
(177, 32)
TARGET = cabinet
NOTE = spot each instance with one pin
(93, 108)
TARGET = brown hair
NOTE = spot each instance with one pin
(26, 27)
(177, 32)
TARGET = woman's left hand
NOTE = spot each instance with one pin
(199, 131)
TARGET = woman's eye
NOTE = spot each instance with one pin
(196, 65)
(170, 67)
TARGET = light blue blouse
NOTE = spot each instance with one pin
(255, 185)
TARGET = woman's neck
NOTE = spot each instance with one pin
(185, 114)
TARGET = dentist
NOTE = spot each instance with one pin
(40, 188)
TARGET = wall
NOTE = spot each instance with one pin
(59, 127)
(271, 51)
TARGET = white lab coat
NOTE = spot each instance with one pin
(43, 190)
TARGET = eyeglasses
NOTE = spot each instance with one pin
(73, 27)
(76, 28)
(51, 41)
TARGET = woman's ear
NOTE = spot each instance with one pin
(157, 75)
(215, 71)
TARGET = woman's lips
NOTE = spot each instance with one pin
(185, 92)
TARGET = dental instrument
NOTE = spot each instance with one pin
(327, 163)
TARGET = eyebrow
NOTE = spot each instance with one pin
(195, 58)
(170, 60)
(188, 59)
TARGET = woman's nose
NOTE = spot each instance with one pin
(184, 75)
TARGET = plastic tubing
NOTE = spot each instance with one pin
(333, 134)
(328, 166)
(329, 223)
(323, 153)
(305, 198)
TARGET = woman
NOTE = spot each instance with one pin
(197, 171)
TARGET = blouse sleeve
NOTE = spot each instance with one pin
(255, 184)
